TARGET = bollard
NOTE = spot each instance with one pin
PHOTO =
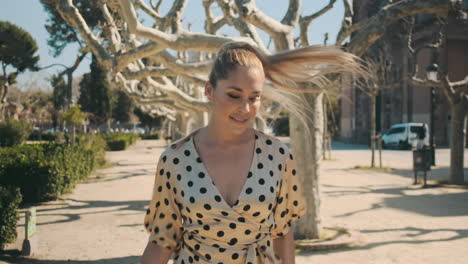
(30, 229)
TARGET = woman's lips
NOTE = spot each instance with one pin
(240, 121)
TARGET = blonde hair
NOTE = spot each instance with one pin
(289, 74)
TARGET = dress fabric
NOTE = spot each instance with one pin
(188, 215)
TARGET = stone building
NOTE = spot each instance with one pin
(398, 101)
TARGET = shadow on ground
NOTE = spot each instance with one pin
(408, 199)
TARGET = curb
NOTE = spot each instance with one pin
(344, 239)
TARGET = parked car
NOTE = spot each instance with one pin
(405, 135)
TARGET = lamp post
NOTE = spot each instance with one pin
(432, 72)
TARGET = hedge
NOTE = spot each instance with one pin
(10, 198)
(14, 132)
(119, 141)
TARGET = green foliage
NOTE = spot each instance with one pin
(60, 90)
(10, 198)
(147, 119)
(74, 116)
(123, 107)
(281, 127)
(95, 143)
(95, 93)
(119, 141)
(17, 48)
(14, 132)
(60, 33)
(150, 136)
(45, 171)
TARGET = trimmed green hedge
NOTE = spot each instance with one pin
(14, 132)
(150, 136)
(119, 141)
(10, 198)
(45, 171)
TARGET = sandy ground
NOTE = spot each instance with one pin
(101, 221)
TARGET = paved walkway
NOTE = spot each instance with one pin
(100, 222)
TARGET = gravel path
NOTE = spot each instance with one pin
(100, 222)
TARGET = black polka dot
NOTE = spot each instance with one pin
(164, 158)
(217, 198)
(187, 153)
(247, 232)
(261, 198)
(235, 256)
(295, 188)
(270, 157)
(232, 225)
(206, 227)
(293, 172)
(175, 161)
(161, 172)
(199, 215)
(272, 190)
(246, 207)
(291, 156)
(258, 150)
(250, 174)
(268, 142)
(173, 146)
(295, 203)
(220, 233)
(188, 168)
(207, 206)
(233, 242)
(199, 160)
(202, 190)
(281, 150)
(179, 177)
(168, 174)
(256, 214)
(261, 181)
(192, 200)
(201, 175)
(241, 219)
(260, 165)
(248, 190)
(280, 167)
(160, 189)
(224, 213)
(190, 183)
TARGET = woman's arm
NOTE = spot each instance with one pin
(284, 247)
(155, 254)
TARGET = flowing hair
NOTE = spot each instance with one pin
(289, 74)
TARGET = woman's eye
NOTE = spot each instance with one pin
(233, 96)
(255, 98)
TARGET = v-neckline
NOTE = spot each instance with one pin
(212, 183)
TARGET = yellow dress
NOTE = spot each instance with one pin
(188, 215)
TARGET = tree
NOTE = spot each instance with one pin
(455, 92)
(123, 109)
(95, 93)
(146, 67)
(74, 117)
(17, 49)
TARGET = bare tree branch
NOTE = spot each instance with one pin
(304, 22)
(292, 16)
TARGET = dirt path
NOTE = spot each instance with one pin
(100, 222)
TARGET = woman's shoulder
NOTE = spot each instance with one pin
(177, 147)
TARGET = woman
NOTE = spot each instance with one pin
(228, 193)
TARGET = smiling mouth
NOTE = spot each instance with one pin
(238, 120)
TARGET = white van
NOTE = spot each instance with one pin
(405, 136)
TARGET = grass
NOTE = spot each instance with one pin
(383, 169)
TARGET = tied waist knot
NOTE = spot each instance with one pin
(257, 252)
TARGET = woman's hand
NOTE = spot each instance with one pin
(155, 254)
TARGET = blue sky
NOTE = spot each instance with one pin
(30, 15)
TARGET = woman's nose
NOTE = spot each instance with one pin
(245, 106)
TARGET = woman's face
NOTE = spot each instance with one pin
(236, 100)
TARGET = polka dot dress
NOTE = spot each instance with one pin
(188, 215)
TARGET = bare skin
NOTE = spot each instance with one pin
(226, 146)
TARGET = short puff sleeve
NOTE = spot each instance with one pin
(290, 201)
(163, 218)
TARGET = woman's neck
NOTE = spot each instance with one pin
(214, 135)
